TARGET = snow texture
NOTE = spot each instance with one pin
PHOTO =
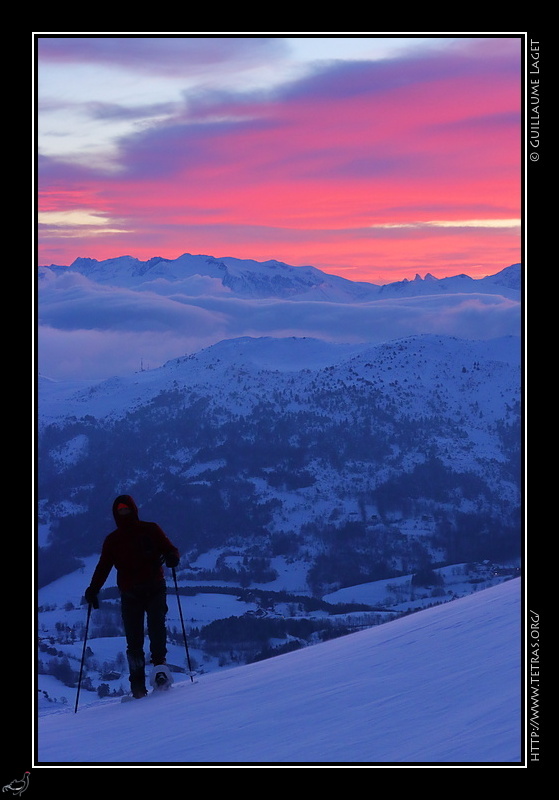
(442, 686)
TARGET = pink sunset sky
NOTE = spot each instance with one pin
(373, 158)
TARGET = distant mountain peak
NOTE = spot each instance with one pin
(248, 278)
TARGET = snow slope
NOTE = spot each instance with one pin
(442, 686)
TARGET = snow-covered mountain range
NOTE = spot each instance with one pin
(253, 279)
(305, 431)
(103, 318)
(315, 484)
(286, 470)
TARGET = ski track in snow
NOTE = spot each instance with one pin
(442, 686)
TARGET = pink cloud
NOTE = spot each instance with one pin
(309, 173)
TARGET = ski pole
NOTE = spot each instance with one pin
(182, 623)
(83, 656)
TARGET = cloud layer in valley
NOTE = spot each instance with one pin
(91, 331)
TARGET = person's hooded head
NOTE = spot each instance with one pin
(125, 510)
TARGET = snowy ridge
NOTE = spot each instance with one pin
(442, 686)
(252, 279)
(268, 358)
(99, 319)
(436, 395)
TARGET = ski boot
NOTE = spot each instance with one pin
(161, 678)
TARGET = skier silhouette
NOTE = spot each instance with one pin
(137, 550)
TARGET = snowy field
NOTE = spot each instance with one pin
(439, 687)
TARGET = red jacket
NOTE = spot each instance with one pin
(136, 549)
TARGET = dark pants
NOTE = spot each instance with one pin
(148, 602)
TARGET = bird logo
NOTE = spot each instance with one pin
(17, 787)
